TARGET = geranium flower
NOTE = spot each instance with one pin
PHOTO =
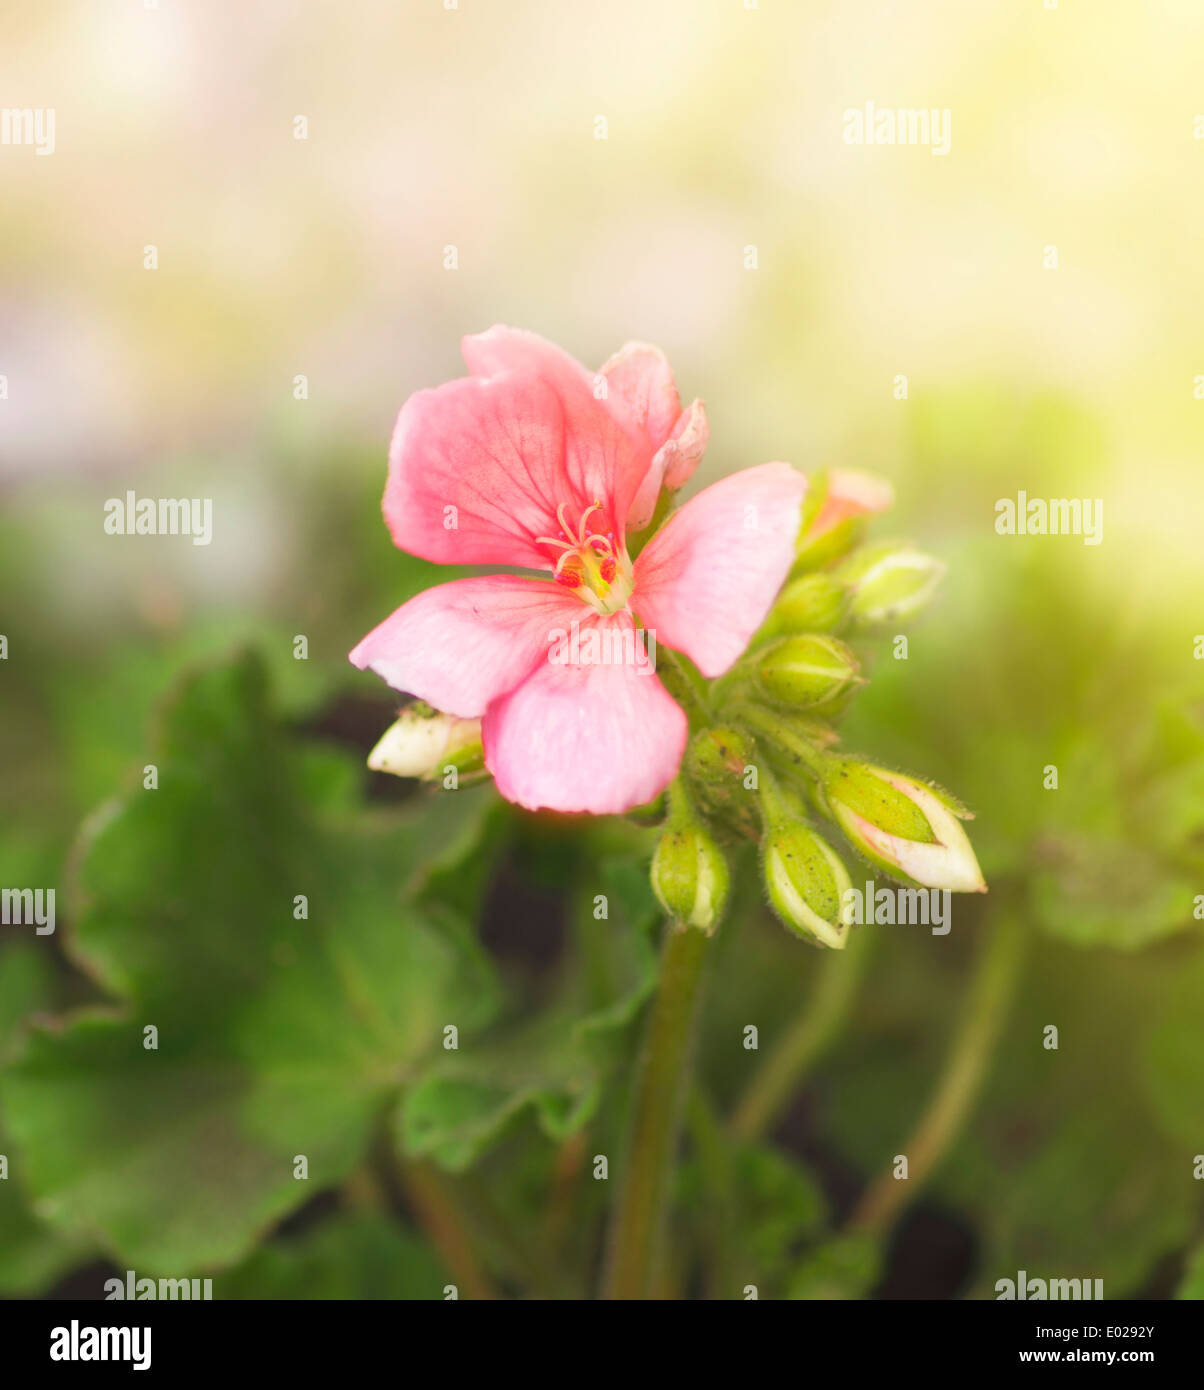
(535, 463)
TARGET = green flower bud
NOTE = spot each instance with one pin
(690, 876)
(810, 603)
(909, 829)
(890, 582)
(423, 743)
(717, 762)
(718, 756)
(807, 671)
(807, 884)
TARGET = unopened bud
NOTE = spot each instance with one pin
(890, 582)
(833, 514)
(807, 671)
(810, 603)
(906, 827)
(721, 764)
(690, 876)
(807, 884)
(423, 742)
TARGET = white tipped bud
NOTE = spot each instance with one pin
(807, 884)
(905, 827)
(690, 876)
(423, 742)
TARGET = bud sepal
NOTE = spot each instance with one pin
(690, 875)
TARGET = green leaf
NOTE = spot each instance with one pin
(553, 1065)
(847, 1266)
(278, 1037)
(352, 1256)
(760, 1206)
(32, 1254)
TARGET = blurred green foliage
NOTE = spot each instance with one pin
(323, 1036)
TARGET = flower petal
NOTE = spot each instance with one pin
(641, 391)
(705, 582)
(672, 464)
(479, 466)
(686, 445)
(599, 737)
(501, 349)
(460, 645)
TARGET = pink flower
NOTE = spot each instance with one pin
(532, 462)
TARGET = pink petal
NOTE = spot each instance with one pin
(501, 349)
(478, 467)
(462, 644)
(672, 464)
(850, 494)
(600, 738)
(641, 391)
(706, 581)
(686, 445)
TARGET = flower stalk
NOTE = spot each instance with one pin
(661, 1085)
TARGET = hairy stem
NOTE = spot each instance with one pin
(638, 1219)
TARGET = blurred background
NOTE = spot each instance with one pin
(877, 307)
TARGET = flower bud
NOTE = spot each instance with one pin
(890, 582)
(718, 762)
(423, 742)
(807, 671)
(810, 603)
(690, 876)
(833, 514)
(807, 883)
(904, 826)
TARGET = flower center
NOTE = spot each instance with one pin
(590, 563)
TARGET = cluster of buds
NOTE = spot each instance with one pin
(763, 763)
(766, 764)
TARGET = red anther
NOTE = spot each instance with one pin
(569, 578)
(609, 567)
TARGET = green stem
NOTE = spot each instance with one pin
(983, 1012)
(775, 728)
(639, 1215)
(787, 1066)
(427, 1194)
(683, 681)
